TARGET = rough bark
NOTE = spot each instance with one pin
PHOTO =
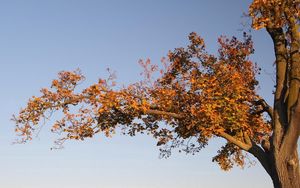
(281, 161)
(285, 172)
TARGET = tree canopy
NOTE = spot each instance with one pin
(197, 95)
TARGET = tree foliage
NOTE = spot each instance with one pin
(197, 95)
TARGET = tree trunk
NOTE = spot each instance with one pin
(282, 157)
(282, 167)
(285, 171)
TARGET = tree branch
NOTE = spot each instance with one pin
(279, 114)
(292, 134)
(163, 113)
(262, 157)
(266, 107)
(250, 147)
(235, 141)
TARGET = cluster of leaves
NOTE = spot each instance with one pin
(196, 97)
(274, 13)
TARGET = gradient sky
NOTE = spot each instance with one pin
(39, 38)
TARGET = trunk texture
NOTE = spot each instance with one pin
(282, 166)
(285, 172)
(282, 161)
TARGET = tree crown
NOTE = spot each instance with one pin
(196, 96)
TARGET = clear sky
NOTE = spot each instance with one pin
(39, 38)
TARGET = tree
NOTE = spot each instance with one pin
(196, 96)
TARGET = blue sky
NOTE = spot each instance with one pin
(40, 38)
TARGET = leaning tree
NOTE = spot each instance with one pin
(194, 97)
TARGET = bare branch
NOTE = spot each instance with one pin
(266, 107)
(260, 154)
(292, 134)
(242, 145)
